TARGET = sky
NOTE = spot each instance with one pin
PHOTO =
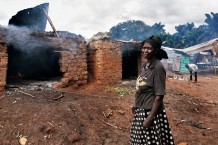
(88, 17)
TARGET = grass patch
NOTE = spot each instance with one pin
(121, 90)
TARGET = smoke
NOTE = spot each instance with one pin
(19, 38)
(29, 56)
(31, 49)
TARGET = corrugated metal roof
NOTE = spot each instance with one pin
(208, 45)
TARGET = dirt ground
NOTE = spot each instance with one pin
(101, 115)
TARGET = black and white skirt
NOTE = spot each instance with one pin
(158, 134)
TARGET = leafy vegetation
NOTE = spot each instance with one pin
(121, 90)
(186, 34)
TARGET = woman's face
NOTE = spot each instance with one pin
(148, 51)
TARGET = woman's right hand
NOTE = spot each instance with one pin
(148, 122)
(133, 109)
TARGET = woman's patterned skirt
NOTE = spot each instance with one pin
(158, 134)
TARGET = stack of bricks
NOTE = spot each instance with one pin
(3, 64)
(105, 61)
(73, 65)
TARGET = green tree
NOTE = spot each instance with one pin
(131, 29)
(210, 30)
(182, 35)
(212, 24)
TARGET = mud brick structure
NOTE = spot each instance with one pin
(73, 65)
(40, 54)
(29, 54)
(107, 60)
(35, 54)
(3, 64)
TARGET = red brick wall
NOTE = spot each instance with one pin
(105, 61)
(73, 65)
(3, 64)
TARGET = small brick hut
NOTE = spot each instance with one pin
(107, 60)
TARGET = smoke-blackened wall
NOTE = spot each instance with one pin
(31, 54)
(38, 62)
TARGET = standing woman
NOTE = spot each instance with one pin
(150, 124)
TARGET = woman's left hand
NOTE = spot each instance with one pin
(147, 122)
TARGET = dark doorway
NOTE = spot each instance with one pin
(130, 59)
(38, 63)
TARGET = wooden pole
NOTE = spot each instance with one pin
(49, 20)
